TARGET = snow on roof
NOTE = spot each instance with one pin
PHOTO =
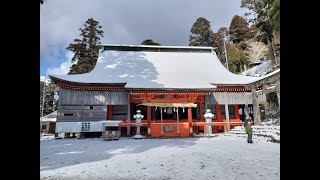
(52, 117)
(149, 69)
(44, 119)
(157, 47)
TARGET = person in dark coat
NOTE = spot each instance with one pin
(246, 120)
(249, 131)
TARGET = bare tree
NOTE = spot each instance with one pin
(256, 51)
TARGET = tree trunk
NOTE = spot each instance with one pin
(264, 95)
(256, 110)
(278, 92)
(271, 53)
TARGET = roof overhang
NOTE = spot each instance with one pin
(66, 82)
(262, 80)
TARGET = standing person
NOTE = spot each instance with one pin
(246, 120)
(249, 131)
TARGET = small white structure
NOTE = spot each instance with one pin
(111, 135)
(138, 118)
(49, 122)
(209, 116)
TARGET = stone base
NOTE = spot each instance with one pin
(138, 137)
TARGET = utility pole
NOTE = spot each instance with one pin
(42, 107)
(225, 50)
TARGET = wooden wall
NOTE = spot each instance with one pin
(81, 105)
(233, 98)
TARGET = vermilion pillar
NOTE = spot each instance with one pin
(109, 113)
(201, 113)
(218, 112)
(236, 111)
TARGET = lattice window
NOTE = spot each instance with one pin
(85, 126)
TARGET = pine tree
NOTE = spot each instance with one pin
(86, 50)
(150, 42)
(253, 32)
(201, 33)
(238, 29)
(50, 104)
(274, 14)
(236, 58)
(218, 42)
(260, 8)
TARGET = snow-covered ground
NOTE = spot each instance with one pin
(271, 122)
(220, 157)
(258, 70)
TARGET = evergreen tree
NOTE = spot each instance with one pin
(150, 42)
(86, 50)
(253, 32)
(50, 104)
(238, 29)
(218, 42)
(236, 58)
(259, 8)
(274, 14)
(201, 33)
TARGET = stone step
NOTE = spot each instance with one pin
(261, 130)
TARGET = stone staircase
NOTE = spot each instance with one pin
(272, 132)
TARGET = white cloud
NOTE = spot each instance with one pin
(42, 78)
(64, 67)
(126, 22)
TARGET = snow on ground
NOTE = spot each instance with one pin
(270, 122)
(220, 157)
(46, 137)
(259, 70)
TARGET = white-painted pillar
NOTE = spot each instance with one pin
(178, 121)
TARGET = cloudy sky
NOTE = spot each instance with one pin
(167, 22)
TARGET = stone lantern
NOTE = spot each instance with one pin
(138, 118)
(209, 116)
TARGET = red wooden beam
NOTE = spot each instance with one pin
(109, 112)
(190, 116)
(236, 111)
(218, 112)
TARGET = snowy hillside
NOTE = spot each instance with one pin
(259, 70)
